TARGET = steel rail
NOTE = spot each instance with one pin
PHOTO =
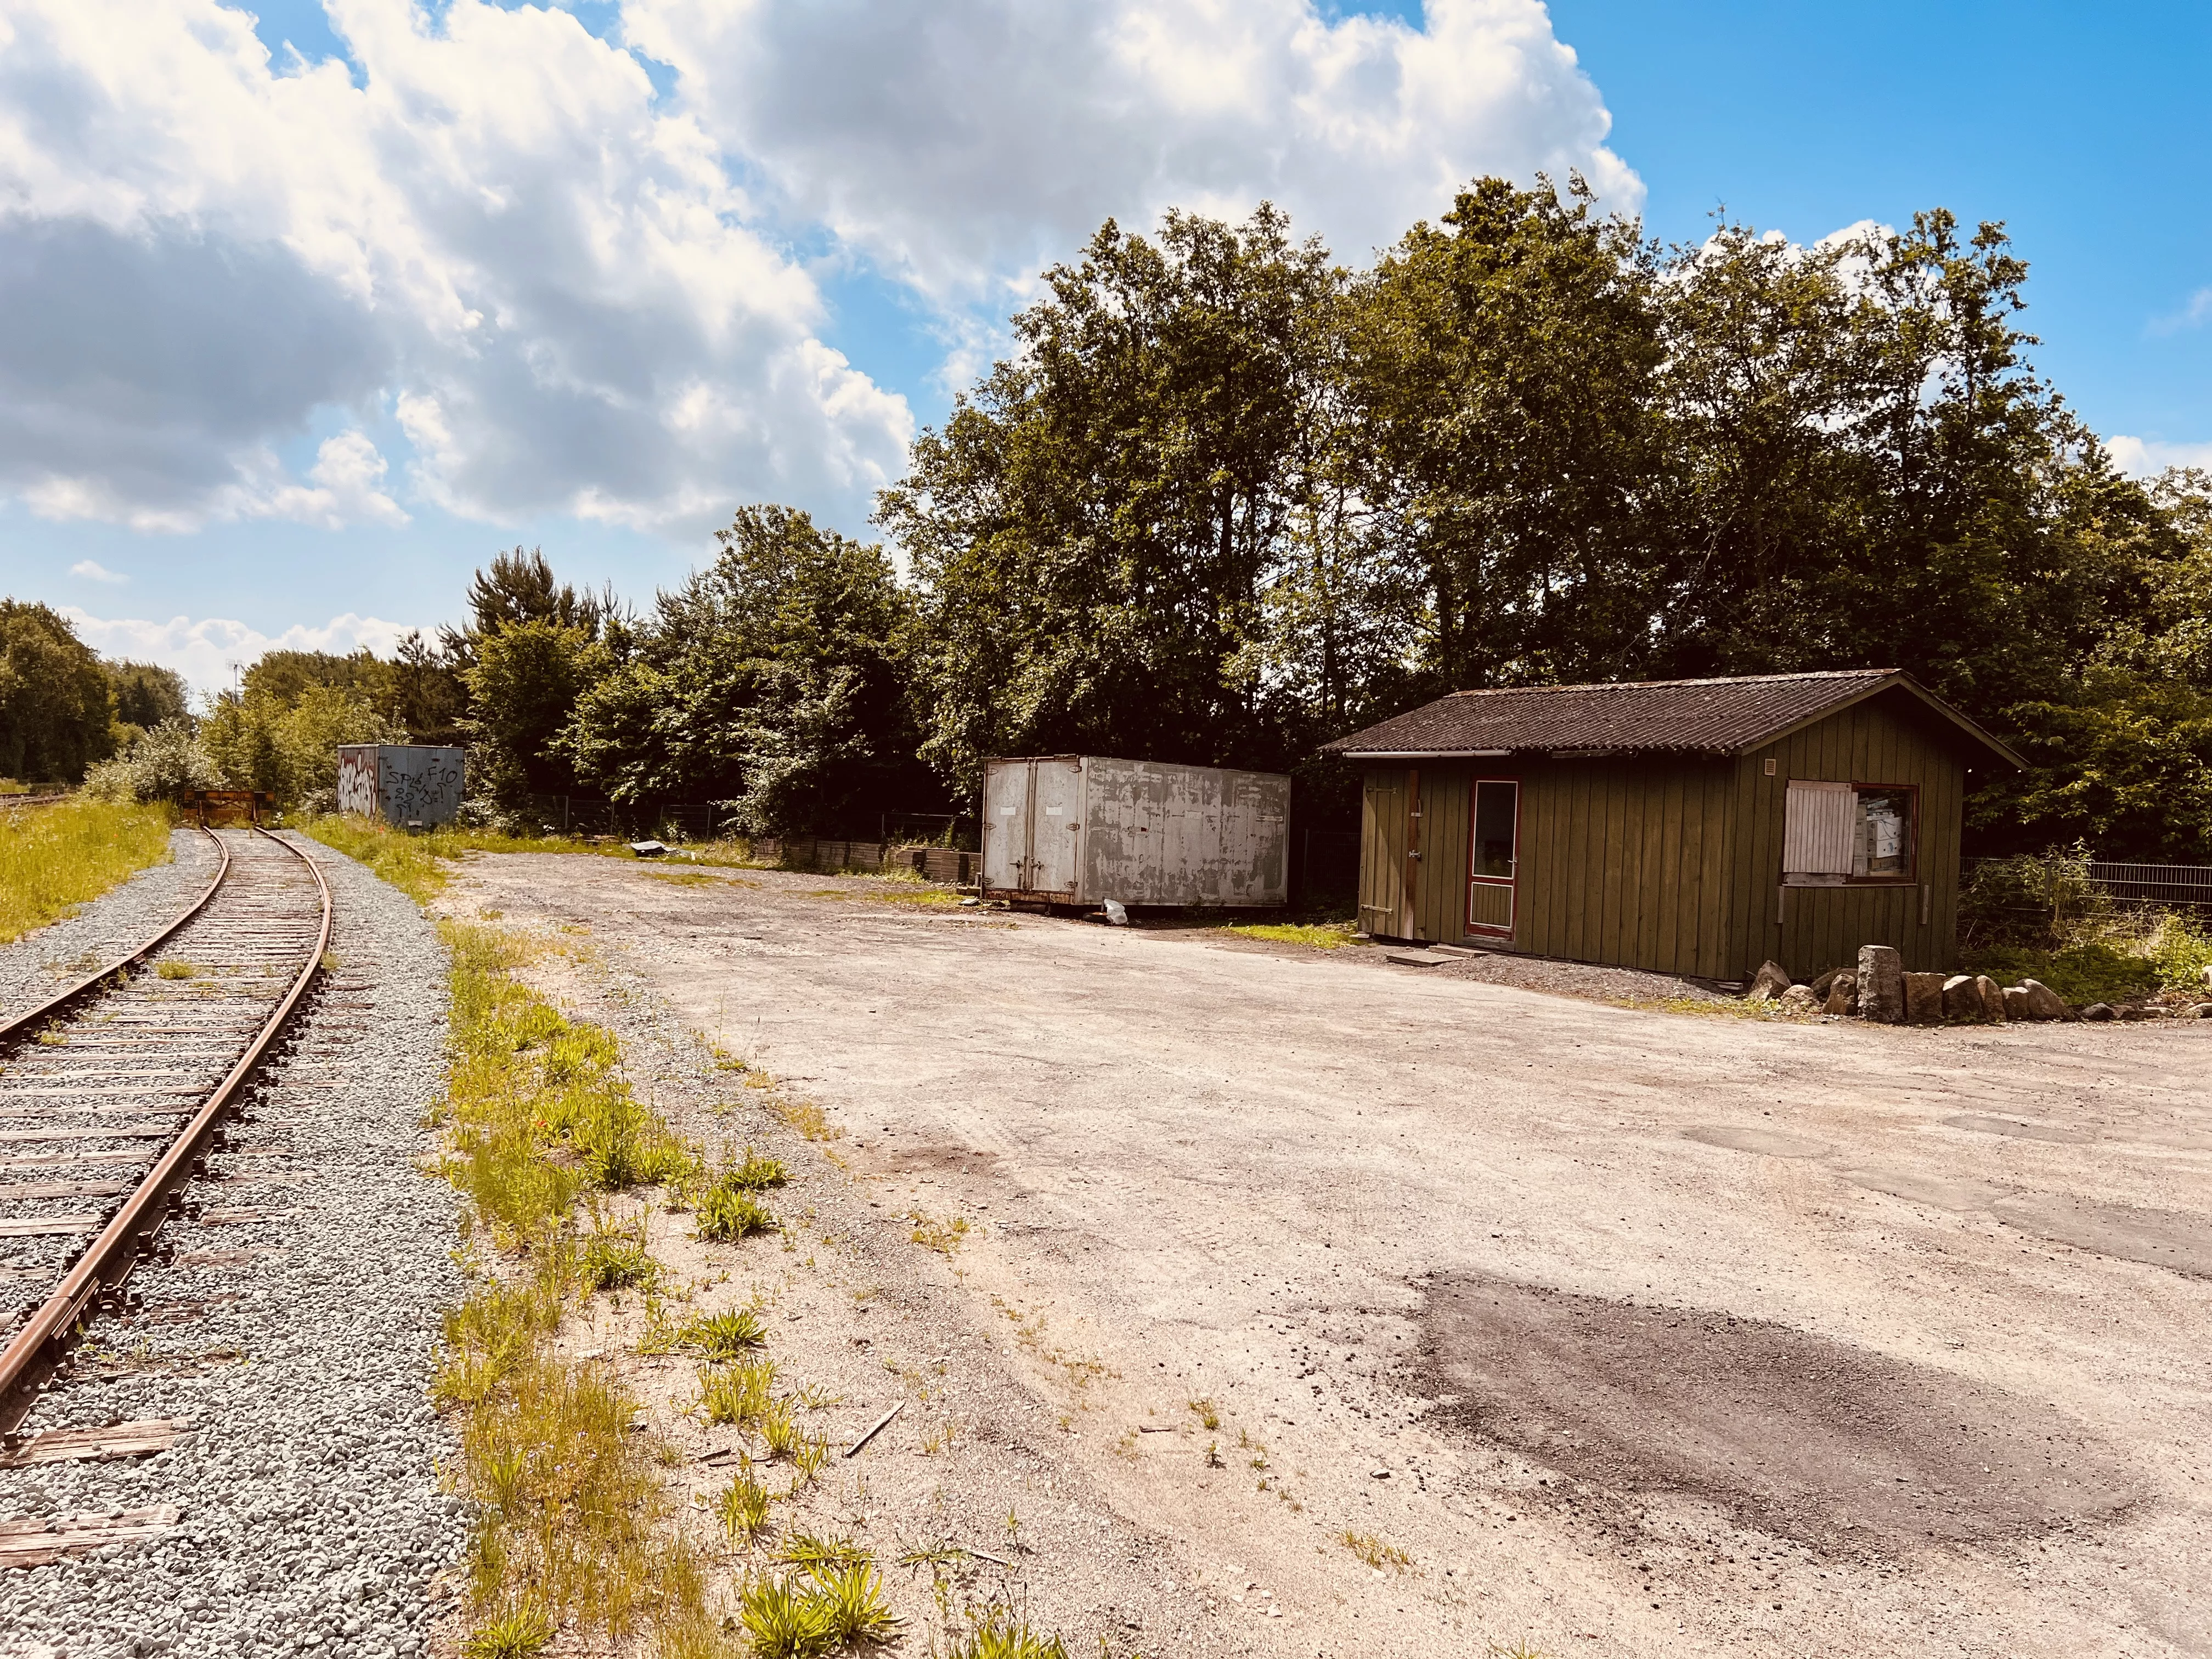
(109, 1257)
(15, 1025)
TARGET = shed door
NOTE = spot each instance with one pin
(1006, 824)
(1494, 859)
(1055, 853)
(1383, 849)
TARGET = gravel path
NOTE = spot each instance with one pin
(299, 1347)
(37, 964)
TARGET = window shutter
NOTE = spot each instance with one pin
(1816, 828)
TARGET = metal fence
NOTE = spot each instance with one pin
(2155, 884)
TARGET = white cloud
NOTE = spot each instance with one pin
(959, 144)
(92, 571)
(200, 256)
(2194, 314)
(203, 651)
(572, 295)
(2146, 457)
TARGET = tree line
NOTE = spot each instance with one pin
(1228, 498)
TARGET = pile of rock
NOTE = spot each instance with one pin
(1880, 989)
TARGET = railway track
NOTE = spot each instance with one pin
(115, 1092)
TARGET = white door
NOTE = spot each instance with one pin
(1055, 826)
(1005, 823)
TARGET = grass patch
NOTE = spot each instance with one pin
(998, 1632)
(571, 1517)
(726, 1212)
(416, 861)
(943, 1237)
(800, 1614)
(1319, 936)
(722, 1337)
(740, 1393)
(53, 859)
(173, 968)
(743, 1507)
(1374, 1552)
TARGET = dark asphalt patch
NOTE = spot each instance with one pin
(1800, 1435)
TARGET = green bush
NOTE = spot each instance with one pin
(2096, 970)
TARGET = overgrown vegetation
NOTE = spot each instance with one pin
(2044, 918)
(573, 1523)
(55, 857)
(570, 1512)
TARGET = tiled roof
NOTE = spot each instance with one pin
(1694, 716)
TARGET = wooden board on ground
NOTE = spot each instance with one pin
(137, 1439)
(34, 1541)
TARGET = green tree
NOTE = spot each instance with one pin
(524, 685)
(1504, 431)
(773, 681)
(1098, 525)
(56, 708)
(146, 694)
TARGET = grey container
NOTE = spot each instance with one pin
(402, 783)
(1082, 829)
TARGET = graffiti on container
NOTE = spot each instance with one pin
(431, 794)
(400, 783)
(357, 779)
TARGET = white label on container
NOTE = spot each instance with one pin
(1005, 811)
(1052, 811)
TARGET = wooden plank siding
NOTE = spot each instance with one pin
(1672, 862)
(1822, 927)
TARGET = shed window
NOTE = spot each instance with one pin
(1838, 832)
(1883, 848)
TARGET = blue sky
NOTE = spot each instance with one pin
(352, 414)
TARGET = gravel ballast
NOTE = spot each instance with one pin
(35, 966)
(312, 1517)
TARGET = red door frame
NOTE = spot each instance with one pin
(1490, 930)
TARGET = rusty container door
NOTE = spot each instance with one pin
(1056, 828)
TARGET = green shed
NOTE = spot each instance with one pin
(1694, 827)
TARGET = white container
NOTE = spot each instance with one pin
(402, 783)
(1081, 830)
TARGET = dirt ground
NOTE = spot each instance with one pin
(1522, 1319)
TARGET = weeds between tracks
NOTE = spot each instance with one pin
(56, 857)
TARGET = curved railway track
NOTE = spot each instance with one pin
(113, 1092)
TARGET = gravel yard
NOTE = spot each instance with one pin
(1387, 1311)
(859, 1319)
(293, 1329)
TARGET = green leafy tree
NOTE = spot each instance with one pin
(146, 695)
(1504, 433)
(773, 681)
(524, 685)
(56, 707)
(1098, 527)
